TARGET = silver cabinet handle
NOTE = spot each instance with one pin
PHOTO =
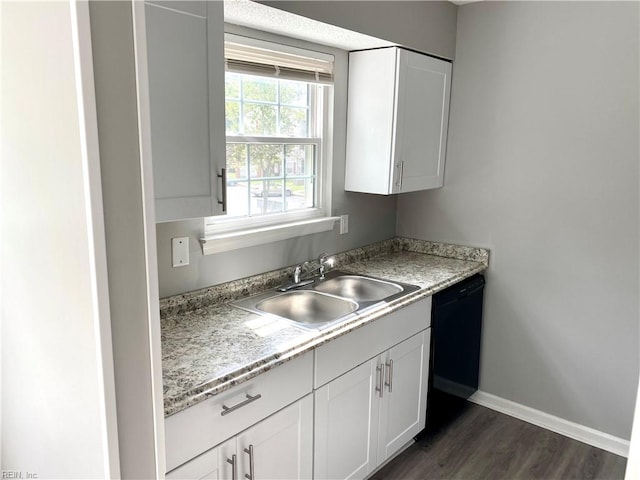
(380, 381)
(389, 384)
(227, 410)
(232, 461)
(223, 202)
(401, 175)
(249, 475)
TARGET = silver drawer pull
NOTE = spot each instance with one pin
(250, 475)
(227, 410)
(233, 462)
(401, 175)
(223, 202)
(389, 384)
(380, 380)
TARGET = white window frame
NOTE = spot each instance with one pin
(226, 234)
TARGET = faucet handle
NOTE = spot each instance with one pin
(324, 260)
(297, 271)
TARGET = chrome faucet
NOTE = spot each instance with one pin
(324, 261)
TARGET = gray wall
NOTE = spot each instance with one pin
(542, 168)
(371, 218)
(428, 26)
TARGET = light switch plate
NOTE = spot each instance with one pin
(344, 224)
(180, 251)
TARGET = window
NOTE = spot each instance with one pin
(273, 142)
(277, 103)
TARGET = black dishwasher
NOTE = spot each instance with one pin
(456, 326)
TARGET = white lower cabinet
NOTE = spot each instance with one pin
(211, 465)
(403, 402)
(345, 432)
(368, 414)
(278, 447)
(369, 400)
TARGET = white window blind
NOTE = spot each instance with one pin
(257, 57)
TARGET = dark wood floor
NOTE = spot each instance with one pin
(478, 443)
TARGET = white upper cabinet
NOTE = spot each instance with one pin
(185, 64)
(398, 111)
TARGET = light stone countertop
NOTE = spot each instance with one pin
(214, 346)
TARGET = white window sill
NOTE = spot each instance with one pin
(225, 242)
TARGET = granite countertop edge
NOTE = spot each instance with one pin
(253, 368)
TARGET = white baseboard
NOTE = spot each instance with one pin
(559, 425)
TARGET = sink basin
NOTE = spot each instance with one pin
(307, 307)
(358, 288)
(324, 303)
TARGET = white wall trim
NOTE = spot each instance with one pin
(225, 242)
(96, 240)
(153, 296)
(559, 425)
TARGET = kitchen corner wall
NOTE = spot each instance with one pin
(372, 218)
(542, 168)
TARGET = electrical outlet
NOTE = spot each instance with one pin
(344, 224)
(180, 251)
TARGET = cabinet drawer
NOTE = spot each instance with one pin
(344, 353)
(200, 427)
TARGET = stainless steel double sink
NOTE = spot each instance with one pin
(325, 302)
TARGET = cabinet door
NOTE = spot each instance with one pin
(213, 464)
(281, 445)
(346, 413)
(185, 64)
(370, 120)
(404, 403)
(422, 113)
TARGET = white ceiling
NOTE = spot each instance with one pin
(261, 17)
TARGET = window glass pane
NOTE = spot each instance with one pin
(270, 178)
(260, 119)
(302, 194)
(299, 160)
(260, 89)
(232, 85)
(293, 122)
(266, 160)
(267, 197)
(236, 161)
(237, 198)
(294, 93)
(232, 117)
